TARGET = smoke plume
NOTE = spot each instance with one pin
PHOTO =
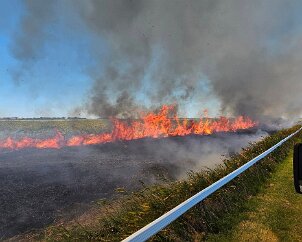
(30, 38)
(165, 51)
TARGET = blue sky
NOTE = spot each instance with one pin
(54, 84)
(56, 81)
(59, 73)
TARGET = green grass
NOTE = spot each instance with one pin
(275, 214)
(20, 128)
(215, 215)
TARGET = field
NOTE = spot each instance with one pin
(40, 187)
(218, 214)
(45, 128)
(69, 179)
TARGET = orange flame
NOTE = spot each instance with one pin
(152, 125)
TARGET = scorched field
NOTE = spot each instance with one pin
(44, 179)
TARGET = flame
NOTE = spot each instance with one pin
(153, 125)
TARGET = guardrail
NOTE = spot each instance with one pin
(163, 221)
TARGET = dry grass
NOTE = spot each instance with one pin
(216, 215)
(19, 128)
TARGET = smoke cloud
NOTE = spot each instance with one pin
(29, 40)
(165, 51)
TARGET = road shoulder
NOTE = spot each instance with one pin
(275, 214)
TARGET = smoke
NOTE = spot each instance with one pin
(124, 106)
(184, 154)
(73, 177)
(30, 39)
(247, 52)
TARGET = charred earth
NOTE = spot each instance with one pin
(37, 186)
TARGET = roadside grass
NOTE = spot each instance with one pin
(275, 214)
(215, 215)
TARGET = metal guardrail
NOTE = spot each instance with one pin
(163, 221)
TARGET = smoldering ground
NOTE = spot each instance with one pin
(39, 186)
(245, 53)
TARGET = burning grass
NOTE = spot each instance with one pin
(164, 123)
(214, 215)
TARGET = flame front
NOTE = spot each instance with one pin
(153, 125)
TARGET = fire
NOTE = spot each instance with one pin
(164, 123)
(55, 142)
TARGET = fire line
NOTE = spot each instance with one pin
(164, 123)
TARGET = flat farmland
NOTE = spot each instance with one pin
(43, 128)
(40, 186)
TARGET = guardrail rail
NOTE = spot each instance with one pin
(154, 227)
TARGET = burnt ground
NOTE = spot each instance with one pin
(38, 186)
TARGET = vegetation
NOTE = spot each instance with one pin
(275, 214)
(47, 127)
(215, 215)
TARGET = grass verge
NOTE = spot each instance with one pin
(215, 215)
(275, 214)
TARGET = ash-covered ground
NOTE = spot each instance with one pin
(38, 186)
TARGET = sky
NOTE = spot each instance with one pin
(114, 58)
(55, 82)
